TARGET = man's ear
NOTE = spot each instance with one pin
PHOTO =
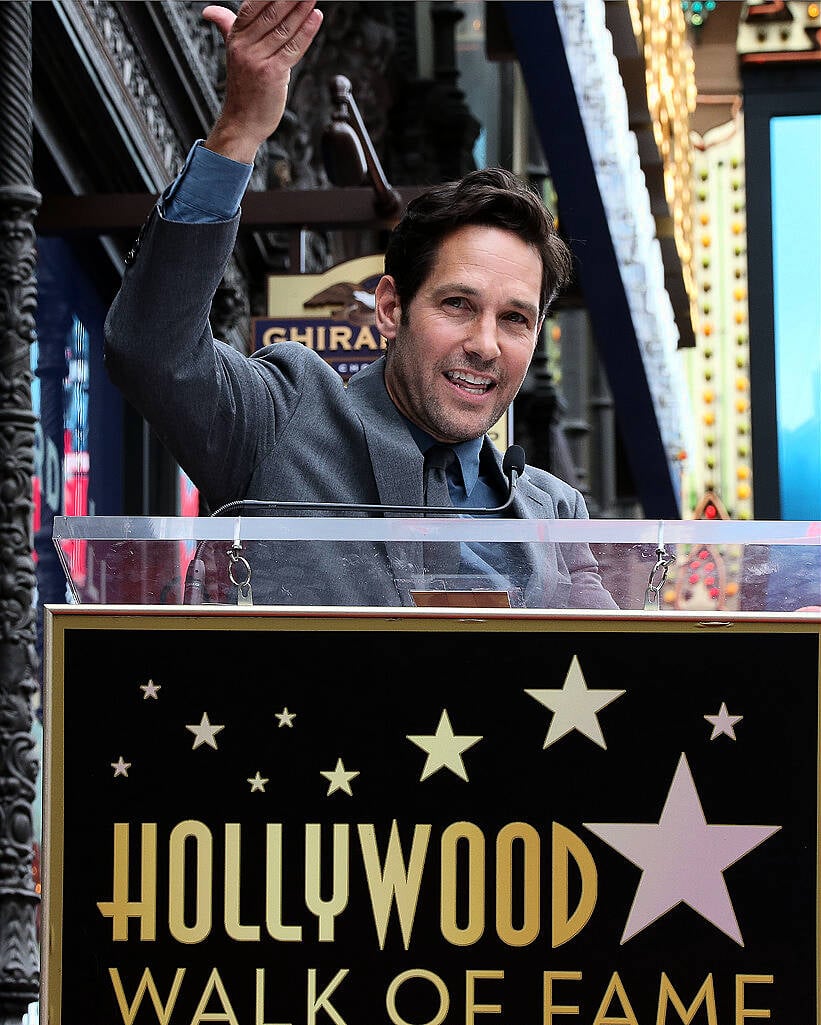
(387, 310)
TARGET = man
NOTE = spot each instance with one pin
(470, 272)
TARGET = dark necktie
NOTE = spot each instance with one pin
(438, 460)
(441, 558)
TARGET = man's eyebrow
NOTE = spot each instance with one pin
(525, 307)
(456, 287)
(449, 287)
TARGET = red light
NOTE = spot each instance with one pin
(710, 512)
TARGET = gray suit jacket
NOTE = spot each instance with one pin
(281, 425)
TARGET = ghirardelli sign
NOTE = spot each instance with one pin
(331, 313)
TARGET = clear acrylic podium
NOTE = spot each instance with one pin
(689, 566)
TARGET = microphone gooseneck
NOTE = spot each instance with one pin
(513, 466)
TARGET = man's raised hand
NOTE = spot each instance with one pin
(263, 42)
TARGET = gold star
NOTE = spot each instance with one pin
(120, 767)
(204, 732)
(285, 717)
(339, 779)
(257, 783)
(575, 707)
(150, 690)
(444, 749)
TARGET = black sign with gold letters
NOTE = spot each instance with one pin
(262, 818)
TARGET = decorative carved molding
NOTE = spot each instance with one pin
(19, 953)
(201, 43)
(123, 71)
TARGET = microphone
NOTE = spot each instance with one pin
(513, 465)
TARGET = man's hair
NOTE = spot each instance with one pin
(493, 197)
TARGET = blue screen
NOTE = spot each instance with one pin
(795, 149)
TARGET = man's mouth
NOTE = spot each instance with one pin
(473, 383)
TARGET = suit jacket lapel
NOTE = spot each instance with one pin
(396, 461)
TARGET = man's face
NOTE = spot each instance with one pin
(459, 356)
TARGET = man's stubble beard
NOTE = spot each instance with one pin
(441, 421)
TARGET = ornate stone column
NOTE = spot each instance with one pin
(450, 122)
(19, 202)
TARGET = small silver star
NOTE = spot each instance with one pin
(120, 767)
(723, 722)
(204, 732)
(257, 783)
(339, 779)
(150, 690)
(286, 718)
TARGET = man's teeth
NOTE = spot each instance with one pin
(469, 381)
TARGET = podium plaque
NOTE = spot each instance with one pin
(306, 816)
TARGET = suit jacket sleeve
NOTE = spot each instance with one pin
(586, 588)
(207, 402)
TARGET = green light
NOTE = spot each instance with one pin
(711, 5)
(696, 20)
(697, 6)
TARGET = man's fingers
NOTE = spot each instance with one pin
(221, 17)
(261, 15)
(292, 36)
(279, 26)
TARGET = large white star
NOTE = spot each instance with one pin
(575, 707)
(204, 732)
(723, 722)
(682, 858)
(339, 778)
(444, 749)
(120, 767)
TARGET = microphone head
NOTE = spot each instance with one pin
(514, 460)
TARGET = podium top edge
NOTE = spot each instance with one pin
(418, 528)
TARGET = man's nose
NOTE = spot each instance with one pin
(483, 339)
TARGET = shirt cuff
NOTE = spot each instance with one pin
(208, 189)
